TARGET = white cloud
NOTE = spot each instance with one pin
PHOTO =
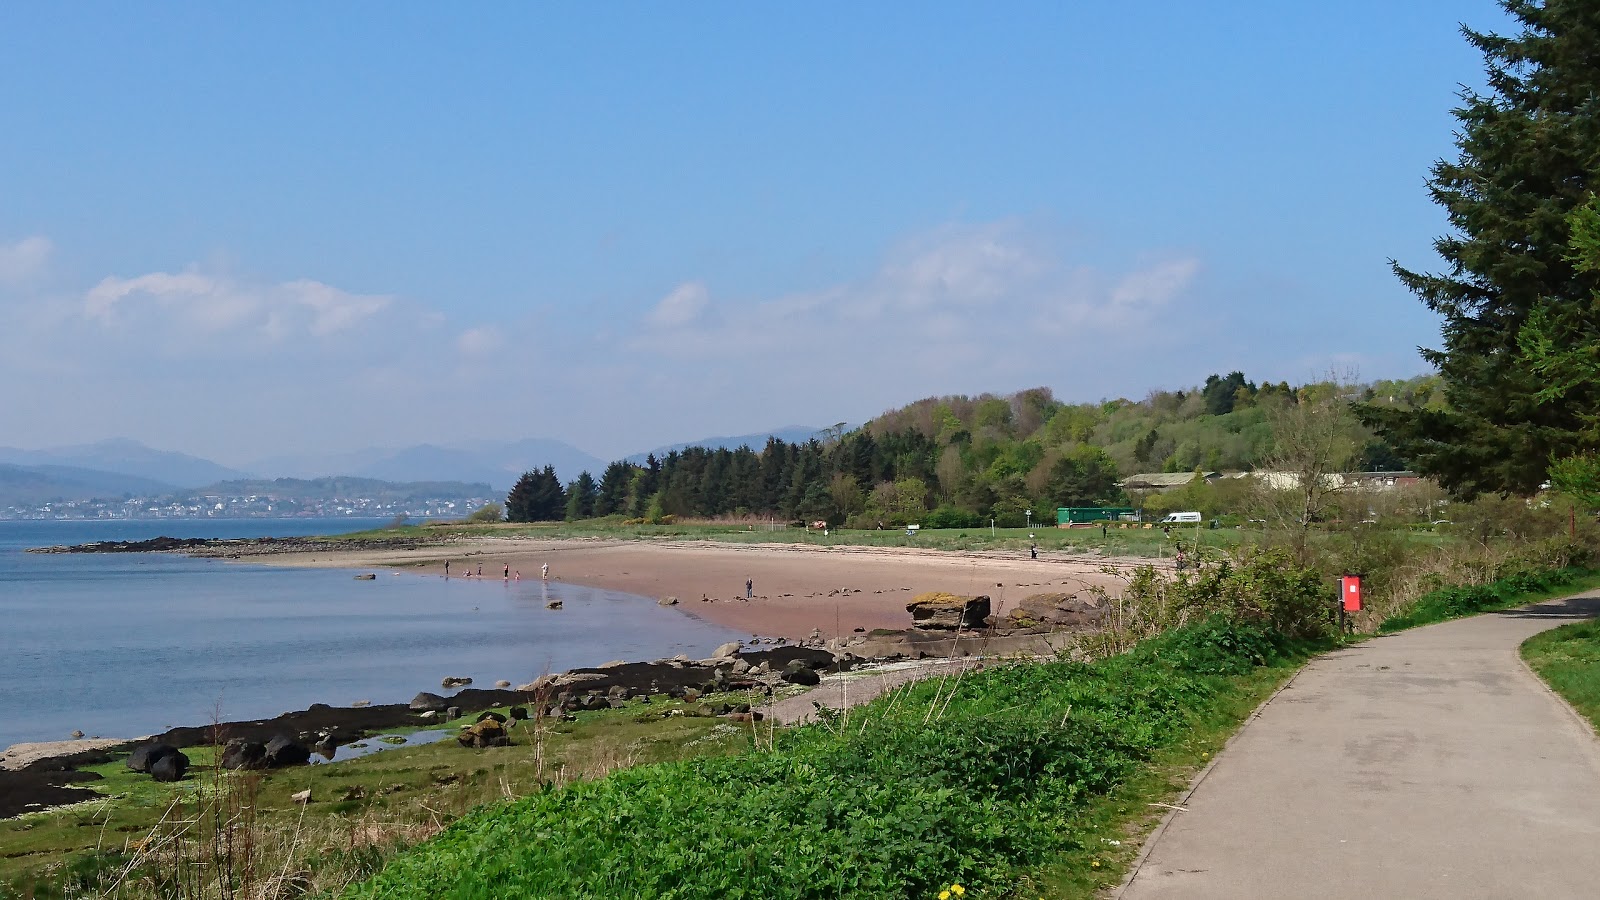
(24, 259)
(681, 307)
(195, 300)
(990, 292)
(479, 342)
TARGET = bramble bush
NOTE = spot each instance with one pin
(970, 778)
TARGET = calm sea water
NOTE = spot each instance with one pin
(120, 645)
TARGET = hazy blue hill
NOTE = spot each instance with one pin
(125, 457)
(495, 463)
(346, 487)
(33, 485)
(797, 434)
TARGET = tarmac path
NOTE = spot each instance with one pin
(1427, 764)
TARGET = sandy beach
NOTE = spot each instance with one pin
(797, 588)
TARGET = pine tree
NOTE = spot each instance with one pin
(1529, 150)
(519, 503)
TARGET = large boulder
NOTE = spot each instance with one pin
(730, 650)
(1059, 611)
(145, 757)
(938, 611)
(797, 672)
(488, 733)
(284, 751)
(426, 702)
(170, 767)
(242, 754)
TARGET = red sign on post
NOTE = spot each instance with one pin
(1350, 592)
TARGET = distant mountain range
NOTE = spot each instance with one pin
(33, 485)
(124, 457)
(124, 468)
(497, 464)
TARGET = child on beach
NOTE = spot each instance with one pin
(749, 588)
(544, 571)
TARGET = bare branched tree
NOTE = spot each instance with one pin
(1316, 439)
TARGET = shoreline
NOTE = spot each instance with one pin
(800, 591)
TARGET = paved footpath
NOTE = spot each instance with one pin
(1424, 764)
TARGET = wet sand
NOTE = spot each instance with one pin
(797, 588)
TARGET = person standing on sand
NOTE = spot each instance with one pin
(544, 571)
(506, 575)
(1034, 551)
(749, 588)
(447, 568)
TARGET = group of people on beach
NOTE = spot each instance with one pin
(506, 573)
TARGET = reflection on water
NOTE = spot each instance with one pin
(379, 743)
(120, 645)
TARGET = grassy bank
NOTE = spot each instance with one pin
(1568, 659)
(1017, 774)
(1529, 585)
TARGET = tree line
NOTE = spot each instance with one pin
(958, 461)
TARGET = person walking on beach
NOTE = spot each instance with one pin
(749, 588)
(506, 575)
(480, 570)
(1033, 551)
(447, 568)
(544, 571)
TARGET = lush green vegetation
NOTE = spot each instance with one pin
(1568, 659)
(1525, 584)
(979, 779)
(958, 462)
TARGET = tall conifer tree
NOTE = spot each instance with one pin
(1529, 153)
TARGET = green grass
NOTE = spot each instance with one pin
(1015, 775)
(1513, 590)
(398, 787)
(1568, 659)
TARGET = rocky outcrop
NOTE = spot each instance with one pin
(426, 702)
(947, 612)
(1059, 611)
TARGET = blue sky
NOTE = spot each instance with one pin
(239, 232)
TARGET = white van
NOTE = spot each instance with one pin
(1175, 518)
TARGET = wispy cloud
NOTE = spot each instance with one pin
(993, 289)
(212, 303)
(681, 306)
(23, 259)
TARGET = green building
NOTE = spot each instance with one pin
(1067, 516)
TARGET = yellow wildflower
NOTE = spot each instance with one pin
(944, 895)
(957, 889)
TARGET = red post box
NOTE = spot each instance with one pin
(1350, 593)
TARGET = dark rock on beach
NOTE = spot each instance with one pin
(425, 702)
(170, 767)
(242, 754)
(142, 759)
(285, 751)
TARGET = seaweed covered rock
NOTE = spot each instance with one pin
(487, 733)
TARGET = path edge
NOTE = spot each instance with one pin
(1154, 837)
